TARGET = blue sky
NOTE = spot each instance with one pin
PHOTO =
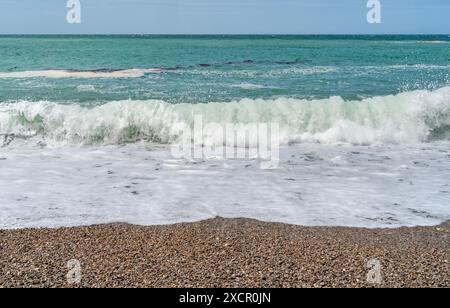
(225, 17)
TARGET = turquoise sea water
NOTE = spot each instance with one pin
(201, 69)
(87, 125)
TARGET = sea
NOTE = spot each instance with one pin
(88, 125)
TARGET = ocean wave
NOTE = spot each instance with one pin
(207, 70)
(435, 42)
(128, 73)
(251, 86)
(86, 88)
(253, 73)
(410, 117)
(134, 72)
(416, 66)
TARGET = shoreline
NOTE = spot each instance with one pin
(225, 253)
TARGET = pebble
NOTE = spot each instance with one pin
(225, 253)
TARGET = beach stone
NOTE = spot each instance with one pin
(225, 253)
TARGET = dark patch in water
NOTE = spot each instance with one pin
(239, 62)
(312, 157)
(98, 70)
(296, 61)
(422, 213)
(388, 220)
(144, 178)
(440, 133)
(206, 65)
(174, 68)
(299, 195)
(418, 163)
(392, 219)
(7, 139)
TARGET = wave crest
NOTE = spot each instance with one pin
(410, 117)
(103, 73)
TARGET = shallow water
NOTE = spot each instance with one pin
(377, 186)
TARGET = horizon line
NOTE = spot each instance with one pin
(224, 34)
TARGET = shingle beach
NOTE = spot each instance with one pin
(226, 253)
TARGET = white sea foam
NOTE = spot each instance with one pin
(251, 86)
(249, 73)
(435, 42)
(409, 117)
(380, 186)
(307, 70)
(86, 88)
(413, 66)
(129, 73)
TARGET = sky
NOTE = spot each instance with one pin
(225, 17)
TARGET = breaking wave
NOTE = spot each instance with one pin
(410, 117)
(102, 73)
